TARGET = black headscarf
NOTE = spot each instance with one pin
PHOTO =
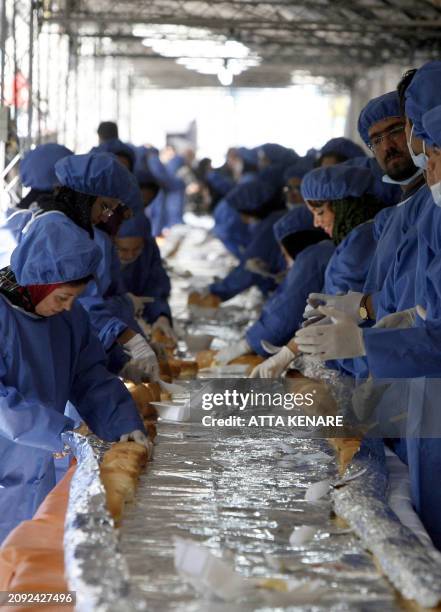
(75, 205)
(35, 195)
(296, 242)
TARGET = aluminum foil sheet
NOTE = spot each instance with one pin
(241, 492)
(238, 491)
(363, 503)
(402, 557)
(340, 386)
(95, 568)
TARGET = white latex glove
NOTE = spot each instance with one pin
(274, 366)
(342, 339)
(139, 437)
(349, 304)
(270, 348)
(143, 359)
(139, 302)
(398, 320)
(229, 353)
(321, 320)
(162, 323)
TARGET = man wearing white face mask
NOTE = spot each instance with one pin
(432, 126)
(413, 352)
(382, 127)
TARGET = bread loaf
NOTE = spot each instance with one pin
(205, 301)
(205, 359)
(159, 336)
(250, 360)
(119, 471)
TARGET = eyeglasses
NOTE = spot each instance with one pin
(377, 140)
(106, 210)
(291, 188)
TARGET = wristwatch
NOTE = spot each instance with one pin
(363, 312)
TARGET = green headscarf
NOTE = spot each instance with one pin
(350, 212)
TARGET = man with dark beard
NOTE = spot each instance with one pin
(381, 125)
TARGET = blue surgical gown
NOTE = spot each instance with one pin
(44, 363)
(109, 309)
(234, 233)
(396, 223)
(263, 246)
(282, 314)
(147, 277)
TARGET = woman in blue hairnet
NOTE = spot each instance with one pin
(260, 203)
(96, 192)
(94, 188)
(166, 209)
(49, 356)
(307, 253)
(143, 274)
(338, 150)
(341, 201)
(134, 241)
(271, 160)
(36, 172)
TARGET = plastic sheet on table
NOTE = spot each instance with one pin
(241, 492)
(95, 568)
(404, 559)
(363, 503)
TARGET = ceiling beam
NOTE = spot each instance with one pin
(222, 23)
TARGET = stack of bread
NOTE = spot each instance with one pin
(177, 368)
(203, 301)
(168, 343)
(206, 358)
(120, 470)
(250, 360)
(143, 395)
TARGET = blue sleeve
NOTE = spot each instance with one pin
(283, 314)
(404, 353)
(100, 397)
(116, 284)
(174, 207)
(28, 421)
(168, 181)
(398, 290)
(159, 286)
(264, 246)
(146, 277)
(380, 220)
(239, 280)
(110, 312)
(221, 183)
(105, 316)
(108, 275)
(230, 229)
(156, 213)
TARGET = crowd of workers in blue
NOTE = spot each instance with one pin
(343, 243)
